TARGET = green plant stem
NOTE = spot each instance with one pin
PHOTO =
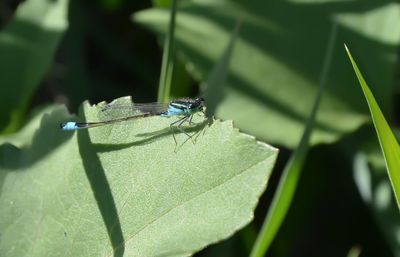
(164, 87)
(291, 173)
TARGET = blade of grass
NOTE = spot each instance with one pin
(167, 67)
(291, 173)
(387, 141)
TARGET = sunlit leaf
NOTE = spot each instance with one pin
(126, 189)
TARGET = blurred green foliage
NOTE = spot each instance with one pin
(276, 64)
(67, 52)
(27, 46)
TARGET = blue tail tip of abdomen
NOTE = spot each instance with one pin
(71, 125)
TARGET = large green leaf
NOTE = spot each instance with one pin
(128, 188)
(387, 140)
(277, 60)
(27, 46)
(287, 186)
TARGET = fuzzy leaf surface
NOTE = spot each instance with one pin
(126, 189)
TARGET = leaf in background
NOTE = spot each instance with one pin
(27, 46)
(374, 187)
(355, 251)
(124, 183)
(387, 141)
(288, 182)
(275, 66)
(218, 76)
(25, 135)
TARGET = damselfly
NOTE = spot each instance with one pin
(184, 108)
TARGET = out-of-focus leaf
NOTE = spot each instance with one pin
(27, 46)
(275, 66)
(374, 187)
(124, 190)
(287, 186)
(355, 251)
(219, 74)
(388, 142)
(24, 137)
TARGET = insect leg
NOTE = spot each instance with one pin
(182, 130)
(180, 121)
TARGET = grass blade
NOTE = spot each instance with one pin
(387, 141)
(291, 174)
(164, 87)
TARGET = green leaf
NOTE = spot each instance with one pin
(127, 188)
(27, 47)
(287, 186)
(276, 63)
(218, 76)
(24, 136)
(387, 141)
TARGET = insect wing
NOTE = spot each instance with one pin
(116, 111)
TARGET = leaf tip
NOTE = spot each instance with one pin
(345, 47)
